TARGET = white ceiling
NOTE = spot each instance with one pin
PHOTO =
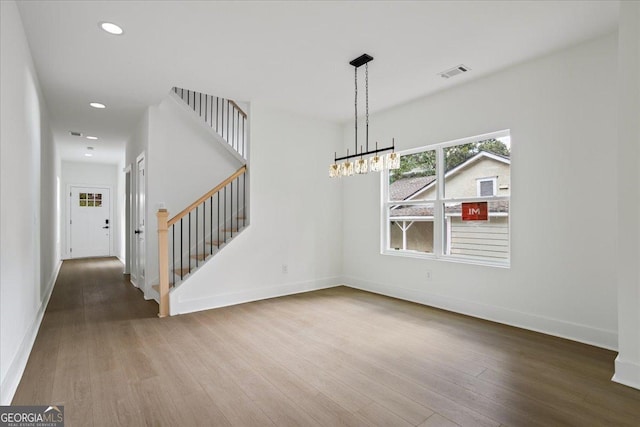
(290, 55)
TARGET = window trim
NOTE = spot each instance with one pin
(439, 219)
(493, 180)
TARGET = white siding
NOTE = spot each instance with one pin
(480, 239)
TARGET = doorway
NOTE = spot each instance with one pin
(127, 221)
(89, 221)
(139, 223)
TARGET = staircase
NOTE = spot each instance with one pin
(191, 238)
(222, 115)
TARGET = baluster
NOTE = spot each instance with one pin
(211, 223)
(238, 203)
(227, 137)
(181, 254)
(173, 250)
(231, 209)
(204, 238)
(196, 237)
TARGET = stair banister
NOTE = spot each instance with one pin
(164, 224)
(213, 191)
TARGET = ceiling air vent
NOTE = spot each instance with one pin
(74, 133)
(454, 71)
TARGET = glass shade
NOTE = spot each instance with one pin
(376, 163)
(361, 166)
(393, 161)
(347, 168)
(334, 170)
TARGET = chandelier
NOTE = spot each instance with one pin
(359, 162)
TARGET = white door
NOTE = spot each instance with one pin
(140, 226)
(89, 222)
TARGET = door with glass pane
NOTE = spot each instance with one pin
(89, 222)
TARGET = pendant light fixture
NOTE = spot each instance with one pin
(362, 163)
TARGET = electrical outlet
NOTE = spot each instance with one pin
(285, 269)
(428, 275)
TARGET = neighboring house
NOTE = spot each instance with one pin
(483, 175)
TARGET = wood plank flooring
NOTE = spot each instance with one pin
(337, 357)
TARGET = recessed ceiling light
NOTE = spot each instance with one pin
(88, 155)
(91, 137)
(97, 105)
(111, 28)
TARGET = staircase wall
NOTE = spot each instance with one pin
(183, 161)
(296, 219)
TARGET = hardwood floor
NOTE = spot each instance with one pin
(327, 358)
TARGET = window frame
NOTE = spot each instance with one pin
(440, 220)
(494, 184)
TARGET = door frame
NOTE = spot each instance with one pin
(136, 278)
(128, 184)
(112, 216)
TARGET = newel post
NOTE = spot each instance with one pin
(163, 261)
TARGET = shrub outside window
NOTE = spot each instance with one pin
(425, 201)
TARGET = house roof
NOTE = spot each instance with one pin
(409, 188)
(404, 188)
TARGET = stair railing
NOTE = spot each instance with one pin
(202, 229)
(222, 115)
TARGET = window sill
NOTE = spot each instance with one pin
(448, 258)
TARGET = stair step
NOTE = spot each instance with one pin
(242, 217)
(230, 230)
(200, 257)
(214, 243)
(157, 287)
(182, 271)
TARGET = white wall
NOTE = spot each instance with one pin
(561, 110)
(91, 174)
(28, 254)
(628, 192)
(295, 219)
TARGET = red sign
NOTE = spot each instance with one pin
(476, 211)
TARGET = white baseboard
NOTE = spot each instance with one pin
(559, 328)
(178, 306)
(19, 363)
(627, 373)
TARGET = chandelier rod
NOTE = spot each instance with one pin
(366, 153)
(366, 80)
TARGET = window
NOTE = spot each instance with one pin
(487, 187)
(90, 200)
(451, 201)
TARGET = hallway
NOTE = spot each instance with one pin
(338, 356)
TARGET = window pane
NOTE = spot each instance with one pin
(411, 228)
(466, 165)
(487, 240)
(415, 179)
(486, 188)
